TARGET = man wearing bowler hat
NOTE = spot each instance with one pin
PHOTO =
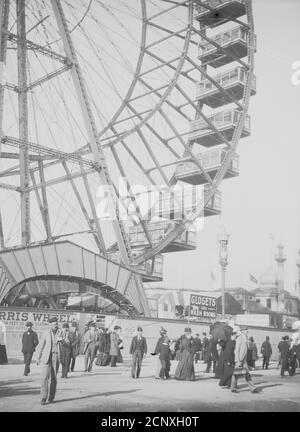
(75, 344)
(30, 341)
(138, 348)
(66, 350)
(114, 346)
(49, 355)
(241, 368)
(90, 341)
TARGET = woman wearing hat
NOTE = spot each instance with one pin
(114, 346)
(185, 369)
(252, 354)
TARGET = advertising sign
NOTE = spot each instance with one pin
(203, 307)
(13, 325)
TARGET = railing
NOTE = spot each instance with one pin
(224, 79)
(224, 38)
(220, 120)
(209, 160)
(157, 232)
(213, 4)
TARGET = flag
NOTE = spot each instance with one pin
(213, 280)
(253, 279)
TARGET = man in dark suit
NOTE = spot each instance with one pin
(225, 380)
(197, 347)
(138, 348)
(204, 348)
(285, 354)
(66, 350)
(30, 341)
(75, 344)
(212, 354)
(266, 351)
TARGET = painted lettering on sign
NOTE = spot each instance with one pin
(203, 306)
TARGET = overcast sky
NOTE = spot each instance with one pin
(264, 199)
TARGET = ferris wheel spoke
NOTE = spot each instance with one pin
(97, 236)
(154, 132)
(166, 11)
(131, 195)
(168, 102)
(46, 221)
(45, 200)
(205, 118)
(170, 34)
(156, 57)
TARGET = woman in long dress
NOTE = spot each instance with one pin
(185, 370)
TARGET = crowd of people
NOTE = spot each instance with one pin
(228, 357)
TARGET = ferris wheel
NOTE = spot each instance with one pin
(104, 103)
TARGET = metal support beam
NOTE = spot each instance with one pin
(45, 201)
(48, 151)
(47, 77)
(35, 47)
(4, 13)
(132, 197)
(90, 125)
(2, 244)
(98, 239)
(10, 187)
(39, 201)
(58, 179)
(94, 211)
(23, 122)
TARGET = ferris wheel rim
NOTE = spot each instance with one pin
(186, 222)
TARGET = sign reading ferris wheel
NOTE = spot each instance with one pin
(203, 306)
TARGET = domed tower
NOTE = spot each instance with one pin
(280, 257)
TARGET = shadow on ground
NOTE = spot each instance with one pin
(96, 395)
(16, 388)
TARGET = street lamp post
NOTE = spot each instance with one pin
(223, 241)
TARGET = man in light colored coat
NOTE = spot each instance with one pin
(240, 359)
(49, 356)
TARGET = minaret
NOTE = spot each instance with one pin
(298, 281)
(280, 257)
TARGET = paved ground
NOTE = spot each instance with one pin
(108, 389)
